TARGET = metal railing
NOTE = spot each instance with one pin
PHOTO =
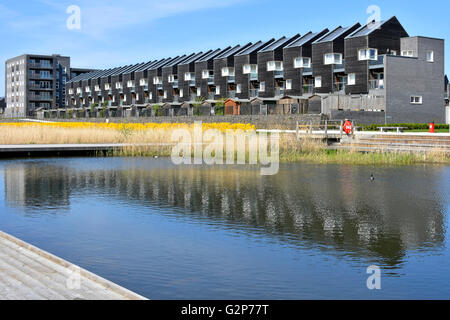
(379, 61)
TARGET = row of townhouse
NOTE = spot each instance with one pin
(354, 71)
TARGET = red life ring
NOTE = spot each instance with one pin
(348, 127)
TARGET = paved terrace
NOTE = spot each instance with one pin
(28, 273)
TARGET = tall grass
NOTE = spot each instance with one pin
(156, 142)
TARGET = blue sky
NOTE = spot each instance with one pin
(115, 32)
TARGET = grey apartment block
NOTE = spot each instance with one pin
(35, 82)
(374, 72)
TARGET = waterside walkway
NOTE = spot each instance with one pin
(29, 273)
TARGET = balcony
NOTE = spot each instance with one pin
(193, 96)
(211, 80)
(279, 91)
(38, 87)
(339, 86)
(176, 98)
(132, 89)
(254, 76)
(308, 88)
(232, 94)
(254, 93)
(231, 79)
(376, 84)
(376, 64)
(35, 65)
(278, 73)
(191, 83)
(146, 87)
(340, 67)
(160, 99)
(175, 84)
(159, 86)
(211, 96)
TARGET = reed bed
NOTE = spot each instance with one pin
(153, 139)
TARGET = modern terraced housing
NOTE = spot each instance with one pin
(374, 73)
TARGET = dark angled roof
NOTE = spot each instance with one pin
(369, 28)
(178, 60)
(233, 51)
(336, 33)
(280, 43)
(160, 64)
(305, 39)
(146, 65)
(255, 47)
(196, 57)
(213, 54)
(122, 70)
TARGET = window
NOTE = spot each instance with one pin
(157, 80)
(289, 84)
(205, 74)
(274, 66)
(199, 92)
(227, 72)
(430, 56)
(118, 85)
(238, 88)
(165, 94)
(368, 54)
(97, 87)
(78, 90)
(407, 53)
(318, 82)
(250, 68)
(70, 91)
(302, 62)
(394, 52)
(188, 76)
(107, 86)
(87, 89)
(172, 78)
(262, 86)
(143, 82)
(130, 83)
(218, 90)
(351, 79)
(181, 93)
(416, 100)
(333, 58)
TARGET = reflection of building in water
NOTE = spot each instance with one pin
(32, 185)
(330, 206)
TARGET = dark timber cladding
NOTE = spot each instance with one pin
(130, 85)
(143, 91)
(245, 57)
(384, 36)
(273, 52)
(117, 86)
(156, 89)
(226, 83)
(170, 79)
(206, 64)
(332, 42)
(186, 87)
(299, 48)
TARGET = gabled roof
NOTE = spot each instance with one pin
(370, 27)
(305, 39)
(147, 65)
(178, 60)
(336, 33)
(280, 43)
(213, 54)
(160, 64)
(122, 70)
(233, 51)
(196, 57)
(255, 47)
(135, 67)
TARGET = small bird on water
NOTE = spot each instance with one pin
(372, 178)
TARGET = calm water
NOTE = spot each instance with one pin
(171, 232)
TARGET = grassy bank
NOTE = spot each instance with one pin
(155, 140)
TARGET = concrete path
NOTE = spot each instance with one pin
(28, 273)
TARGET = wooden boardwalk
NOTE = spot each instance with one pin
(29, 273)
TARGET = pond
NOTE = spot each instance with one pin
(226, 232)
